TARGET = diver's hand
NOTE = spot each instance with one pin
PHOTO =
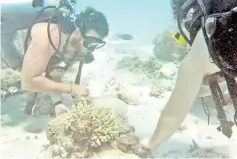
(226, 128)
(80, 91)
(60, 109)
(143, 150)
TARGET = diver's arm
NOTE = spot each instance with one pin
(190, 76)
(36, 60)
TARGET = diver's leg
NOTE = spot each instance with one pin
(190, 77)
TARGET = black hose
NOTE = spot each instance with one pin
(180, 28)
(187, 5)
(48, 30)
(78, 78)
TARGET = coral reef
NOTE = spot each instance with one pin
(152, 71)
(9, 77)
(87, 130)
(118, 107)
(136, 65)
(166, 48)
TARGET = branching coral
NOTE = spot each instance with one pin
(9, 77)
(88, 129)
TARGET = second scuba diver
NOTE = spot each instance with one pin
(213, 49)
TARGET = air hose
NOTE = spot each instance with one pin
(64, 6)
(48, 29)
(180, 11)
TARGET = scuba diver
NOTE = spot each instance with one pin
(212, 38)
(54, 42)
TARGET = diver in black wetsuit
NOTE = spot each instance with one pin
(213, 41)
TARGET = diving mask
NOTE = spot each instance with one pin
(91, 43)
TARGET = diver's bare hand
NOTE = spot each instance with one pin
(143, 150)
(80, 91)
(60, 109)
(226, 128)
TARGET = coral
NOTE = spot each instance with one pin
(157, 91)
(152, 69)
(9, 77)
(88, 129)
(166, 48)
(137, 65)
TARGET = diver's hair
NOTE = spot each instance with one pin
(91, 19)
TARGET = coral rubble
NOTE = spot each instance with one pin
(87, 130)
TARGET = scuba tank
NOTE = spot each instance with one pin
(21, 14)
(15, 17)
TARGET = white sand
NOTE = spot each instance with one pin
(24, 136)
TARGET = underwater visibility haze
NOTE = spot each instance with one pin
(115, 89)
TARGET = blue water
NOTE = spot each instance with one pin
(143, 19)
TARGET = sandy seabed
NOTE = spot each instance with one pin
(24, 136)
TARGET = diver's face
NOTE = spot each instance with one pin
(74, 46)
(78, 46)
